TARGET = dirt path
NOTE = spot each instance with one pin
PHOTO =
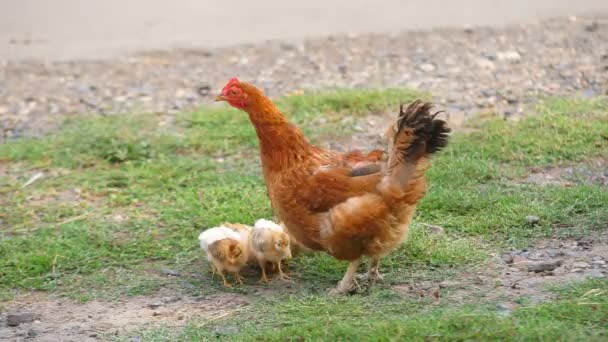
(467, 70)
(72, 29)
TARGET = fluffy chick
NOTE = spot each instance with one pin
(269, 243)
(226, 251)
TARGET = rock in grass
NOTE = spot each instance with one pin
(532, 219)
(170, 272)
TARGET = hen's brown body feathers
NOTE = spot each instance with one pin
(350, 205)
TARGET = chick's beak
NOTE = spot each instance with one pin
(220, 98)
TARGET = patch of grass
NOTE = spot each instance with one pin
(168, 183)
(477, 185)
(579, 313)
(145, 191)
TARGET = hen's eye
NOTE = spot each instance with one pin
(233, 92)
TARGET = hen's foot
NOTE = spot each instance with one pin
(345, 288)
(371, 276)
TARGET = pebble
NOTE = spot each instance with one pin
(580, 264)
(543, 266)
(226, 330)
(16, 318)
(170, 272)
(511, 56)
(154, 306)
(31, 333)
(505, 309)
(485, 63)
(427, 67)
(532, 219)
(448, 283)
(595, 273)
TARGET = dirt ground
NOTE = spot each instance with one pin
(502, 279)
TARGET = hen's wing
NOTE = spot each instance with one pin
(330, 185)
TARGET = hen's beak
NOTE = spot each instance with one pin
(220, 98)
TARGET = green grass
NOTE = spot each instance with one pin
(124, 196)
(579, 313)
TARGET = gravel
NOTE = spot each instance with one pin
(467, 70)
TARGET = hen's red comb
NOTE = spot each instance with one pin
(233, 81)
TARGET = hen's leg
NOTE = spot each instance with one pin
(237, 276)
(348, 283)
(264, 277)
(373, 274)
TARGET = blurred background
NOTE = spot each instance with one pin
(75, 57)
(65, 29)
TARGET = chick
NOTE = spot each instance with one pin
(226, 251)
(268, 242)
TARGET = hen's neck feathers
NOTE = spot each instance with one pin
(282, 144)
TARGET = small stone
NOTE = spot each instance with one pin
(135, 339)
(203, 90)
(576, 270)
(93, 334)
(226, 330)
(154, 306)
(156, 313)
(505, 309)
(427, 67)
(580, 264)
(14, 319)
(434, 229)
(511, 56)
(485, 63)
(32, 333)
(448, 283)
(595, 273)
(170, 272)
(592, 27)
(519, 260)
(543, 266)
(598, 262)
(180, 317)
(532, 219)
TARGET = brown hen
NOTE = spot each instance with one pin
(351, 204)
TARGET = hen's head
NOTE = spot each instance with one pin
(236, 93)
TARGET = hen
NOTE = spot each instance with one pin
(350, 205)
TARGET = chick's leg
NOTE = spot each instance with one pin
(221, 273)
(264, 278)
(347, 283)
(282, 275)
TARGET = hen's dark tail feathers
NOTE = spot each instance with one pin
(418, 132)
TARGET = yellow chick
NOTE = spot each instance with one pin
(226, 251)
(268, 242)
